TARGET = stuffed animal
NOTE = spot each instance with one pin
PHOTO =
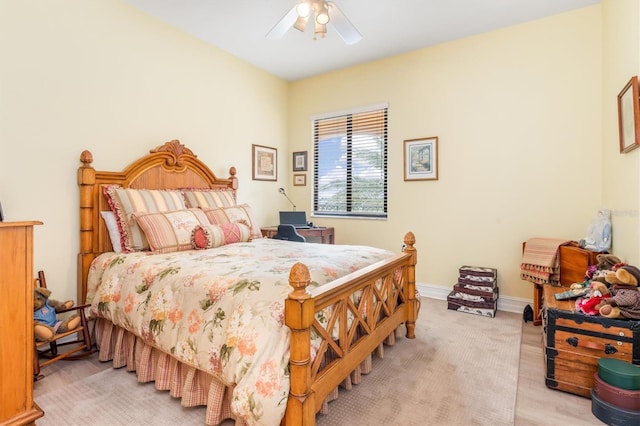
(588, 305)
(625, 297)
(606, 264)
(46, 322)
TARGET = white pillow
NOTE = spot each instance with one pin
(112, 227)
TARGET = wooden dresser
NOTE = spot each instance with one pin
(574, 262)
(16, 318)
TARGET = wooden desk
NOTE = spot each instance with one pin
(326, 234)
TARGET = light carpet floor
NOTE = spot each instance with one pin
(462, 369)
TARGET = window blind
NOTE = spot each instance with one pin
(350, 164)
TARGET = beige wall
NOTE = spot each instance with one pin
(100, 75)
(621, 60)
(518, 117)
(521, 114)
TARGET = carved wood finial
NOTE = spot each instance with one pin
(409, 239)
(174, 147)
(86, 158)
(299, 279)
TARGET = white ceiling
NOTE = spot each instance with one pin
(388, 27)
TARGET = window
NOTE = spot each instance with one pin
(350, 163)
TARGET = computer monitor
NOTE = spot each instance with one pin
(297, 219)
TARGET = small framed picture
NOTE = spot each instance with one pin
(421, 159)
(300, 161)
(629, 116)
(265, 163)
(299, 180)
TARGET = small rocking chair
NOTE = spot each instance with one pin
(49, 350)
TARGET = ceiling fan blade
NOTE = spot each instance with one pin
(342, 25)
(283, 25)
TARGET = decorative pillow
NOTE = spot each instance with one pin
(125, 202)
(114, 233)
(170, 231)
(211, 236)
(241, 213)
(209, 198)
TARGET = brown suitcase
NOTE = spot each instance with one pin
(573, 343)
(618, 397)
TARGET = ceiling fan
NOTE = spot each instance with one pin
(322, 13)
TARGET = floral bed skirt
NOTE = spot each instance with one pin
(193, 386)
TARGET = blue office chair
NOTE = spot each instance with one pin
(288, 232)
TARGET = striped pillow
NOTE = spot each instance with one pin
(125, 202)
(170, 231)
(242, 213)
(211, 236)
(209, 198)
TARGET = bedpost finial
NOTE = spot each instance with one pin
(299, 279)
(409, 239)
(233, 178)
(86, 158)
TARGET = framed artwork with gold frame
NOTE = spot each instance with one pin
(629, 116)
(265, 163)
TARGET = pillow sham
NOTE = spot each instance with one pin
(125, 202)
(167, 232)
(241, 213)
(212, 236)
(114, 233)
(209, 198)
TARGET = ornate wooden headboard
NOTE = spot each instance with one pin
(169, 166)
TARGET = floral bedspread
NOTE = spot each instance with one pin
(221, 310)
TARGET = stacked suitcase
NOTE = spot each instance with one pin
(615, 397)
(476, 291)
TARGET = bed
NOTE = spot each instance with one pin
(333, 312)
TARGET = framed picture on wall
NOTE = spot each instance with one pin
(300, 161)
(421, 159)
(300, 180)
(265, 163)
(629, 116)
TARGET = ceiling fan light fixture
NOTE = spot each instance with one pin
(319, 30)
(322, 16)
(301, 23)
(303, 9)
(321, 12)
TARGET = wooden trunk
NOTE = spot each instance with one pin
(573, 342)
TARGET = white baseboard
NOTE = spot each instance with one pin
(505, 303)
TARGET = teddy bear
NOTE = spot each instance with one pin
(625, 297)
(588, 305)
(46, 323)
(606, 264)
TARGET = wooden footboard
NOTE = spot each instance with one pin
(363, 308)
